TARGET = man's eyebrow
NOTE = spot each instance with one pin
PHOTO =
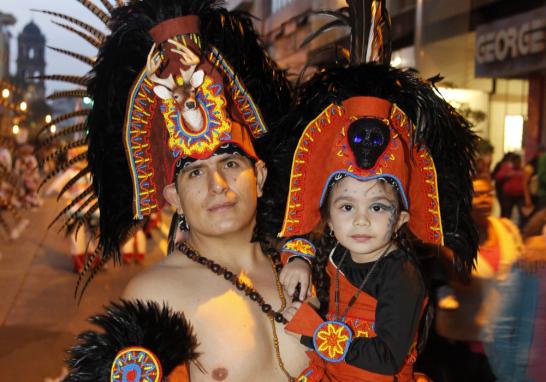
(192, 166)
(229, 157)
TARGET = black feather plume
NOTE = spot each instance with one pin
(165, 333)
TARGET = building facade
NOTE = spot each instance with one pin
(31, 61)
(490, 53)
(6, 20)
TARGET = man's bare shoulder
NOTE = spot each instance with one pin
(160, 281)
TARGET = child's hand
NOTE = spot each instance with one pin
(298, 271)
(290, 310)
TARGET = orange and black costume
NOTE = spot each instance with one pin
(364, 119)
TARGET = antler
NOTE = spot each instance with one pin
(188, 58)
(151, 68)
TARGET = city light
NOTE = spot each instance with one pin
(5, 93)
(396, 61)
(513, 133)
(23, 106)
(87, 100)
(15, 129)
(48, 118)
(53, 129)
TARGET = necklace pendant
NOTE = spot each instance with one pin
(332, 340)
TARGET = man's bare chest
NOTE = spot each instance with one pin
(235, 336)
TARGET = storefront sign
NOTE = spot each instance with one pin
(513, 46)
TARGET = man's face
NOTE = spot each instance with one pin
(482, 201)
(219, 195)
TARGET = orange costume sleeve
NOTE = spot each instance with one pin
(305, 322)
(180, 374)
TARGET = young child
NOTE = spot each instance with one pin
(358, 179)
(371, 267)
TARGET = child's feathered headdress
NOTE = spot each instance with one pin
(367, 119)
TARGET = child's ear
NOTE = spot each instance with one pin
(403, 218)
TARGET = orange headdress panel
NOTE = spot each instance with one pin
(184, 104)
(366, 138)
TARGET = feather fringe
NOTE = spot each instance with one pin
(94, 31)
(63, 150)
(83, 172)
(90, 39)
(78, 80)
(95, 10)
(76, 217)
(61, 167)
(63, 117)
(88, 191)
(90, 264)
(75, 93)
(85, 59)
(107, 5)
(64, 132)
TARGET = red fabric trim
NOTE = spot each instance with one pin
(323, 150)
(180, 374)
(367, 107)
(305, 321)
(173, 27)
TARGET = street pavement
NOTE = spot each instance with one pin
(39, 316)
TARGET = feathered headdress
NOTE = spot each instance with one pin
(367, 119)
(172, 79)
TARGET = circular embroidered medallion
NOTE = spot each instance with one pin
(331, 340)
(136, 364)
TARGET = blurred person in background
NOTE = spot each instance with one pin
(510, 177)
(484, 157)
(518, 330)
(26, 167)
(469, 327)
(81, 238)
(530, 186)
(541, 181)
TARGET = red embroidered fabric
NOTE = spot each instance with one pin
(360, 318)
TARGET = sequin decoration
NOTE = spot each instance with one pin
(300, 247)
(136, 364)
(331, 340)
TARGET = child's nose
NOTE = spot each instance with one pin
(361, 219)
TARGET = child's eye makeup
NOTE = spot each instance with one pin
(346, 207)
(381, 207)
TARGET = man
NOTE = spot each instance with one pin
(197, 98)
(218, 197)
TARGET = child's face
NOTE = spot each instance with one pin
(364, 216)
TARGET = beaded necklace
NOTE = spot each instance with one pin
(250, 292)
